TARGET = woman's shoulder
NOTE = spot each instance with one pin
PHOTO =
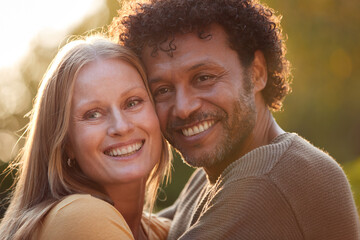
(83, 205)
(79, 202)
(82, 216)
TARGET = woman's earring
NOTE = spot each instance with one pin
(70, 162)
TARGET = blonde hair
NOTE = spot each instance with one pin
(43, 176)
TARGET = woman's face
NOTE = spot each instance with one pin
(114, 131)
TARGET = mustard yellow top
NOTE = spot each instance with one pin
(81, 216)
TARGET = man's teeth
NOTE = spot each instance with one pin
(124, 151)
(203, 126)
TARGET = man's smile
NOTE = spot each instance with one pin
(198, 128)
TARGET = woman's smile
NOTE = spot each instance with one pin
(125, 149)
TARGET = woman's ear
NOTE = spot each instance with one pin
(69, 150)
(259, 69)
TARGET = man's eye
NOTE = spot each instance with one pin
(162, 91)
(204, 78)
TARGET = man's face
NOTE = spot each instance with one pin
(204, 98)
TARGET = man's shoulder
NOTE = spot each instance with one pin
(305, 166)
(316, 187)
(301, 148)
(258, 162)
(196, 181)
(302, 154)
(307, 148)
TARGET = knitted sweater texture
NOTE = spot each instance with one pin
(288, 189)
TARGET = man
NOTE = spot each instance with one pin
(216, 68)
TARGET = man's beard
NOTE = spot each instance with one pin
(235, 131)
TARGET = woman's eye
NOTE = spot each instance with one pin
(133, 103)
(93, 115)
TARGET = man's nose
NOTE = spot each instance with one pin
(186, 103)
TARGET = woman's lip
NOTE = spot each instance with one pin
(128, 155)
(124, 144)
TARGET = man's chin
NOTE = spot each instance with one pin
(199, 160)
(205, 156)
(193, 162)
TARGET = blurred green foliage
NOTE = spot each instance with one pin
(352, 170)
(6, 181)
(324, 48)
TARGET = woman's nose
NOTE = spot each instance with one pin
(119, 124)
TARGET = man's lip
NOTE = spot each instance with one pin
(195, 130)
(180, 127)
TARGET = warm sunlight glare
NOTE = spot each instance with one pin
(21, 20)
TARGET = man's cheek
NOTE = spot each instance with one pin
(162, 114)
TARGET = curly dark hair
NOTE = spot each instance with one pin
(250, 26)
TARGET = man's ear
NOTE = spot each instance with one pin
(259, 70)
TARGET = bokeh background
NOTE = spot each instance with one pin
(323, 45)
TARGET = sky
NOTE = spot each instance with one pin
(21, 21)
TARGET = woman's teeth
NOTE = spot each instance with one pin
(198, 128)
(125, 150)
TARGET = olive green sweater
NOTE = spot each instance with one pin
(288, 189)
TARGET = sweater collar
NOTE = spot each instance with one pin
(258, 161)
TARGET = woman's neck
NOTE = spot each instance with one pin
(128, 199)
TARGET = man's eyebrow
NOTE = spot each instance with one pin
(154, 80)
(196, 66)
(204, 64)
(200, 65)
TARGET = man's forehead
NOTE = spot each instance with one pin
(213, 35)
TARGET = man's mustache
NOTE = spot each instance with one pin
(195, 118)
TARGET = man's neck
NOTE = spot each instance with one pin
(265, 130)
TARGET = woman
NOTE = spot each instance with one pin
(94, 152)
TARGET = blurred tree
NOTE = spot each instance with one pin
(323, 46)
(5, 182)
(179, 176)
(352, 169)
